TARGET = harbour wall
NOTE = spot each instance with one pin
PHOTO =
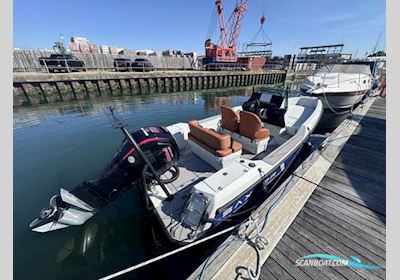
(41, 88)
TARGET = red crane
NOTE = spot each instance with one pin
(225, 51)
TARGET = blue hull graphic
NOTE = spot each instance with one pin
(234, 206)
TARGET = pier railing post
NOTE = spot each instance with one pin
(22, 64)
(66, 64)
(45, 65)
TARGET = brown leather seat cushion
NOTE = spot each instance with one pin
(212, 141)
(219, 153)
(252, 127)
(236, 146)
(229, 118)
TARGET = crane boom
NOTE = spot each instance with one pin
(225, 51)
(239, 13)
(223, 38)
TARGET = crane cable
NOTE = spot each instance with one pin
(212, 24)
(261, 29)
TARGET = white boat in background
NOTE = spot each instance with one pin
(339, 86)
(196, 175)
(377, 65)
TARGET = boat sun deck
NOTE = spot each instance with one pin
(231, 179)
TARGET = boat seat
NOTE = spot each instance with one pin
(252, 127)
(214, 148)
(251, 132)
(229, 119)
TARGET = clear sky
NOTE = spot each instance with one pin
(183, 24)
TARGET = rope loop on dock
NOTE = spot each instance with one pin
(259, 243)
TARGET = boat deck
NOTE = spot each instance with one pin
(335, 204)
(192, 170)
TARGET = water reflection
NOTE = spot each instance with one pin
(35, 115)
(74, 251)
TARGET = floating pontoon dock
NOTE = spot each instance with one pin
(334, 203)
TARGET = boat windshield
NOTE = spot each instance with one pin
(194, 211)
(345, 68)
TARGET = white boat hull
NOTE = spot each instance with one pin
(337, 90)
(342, 100)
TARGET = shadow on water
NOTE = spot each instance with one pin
(63, 144)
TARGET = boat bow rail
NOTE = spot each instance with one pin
(338, 77)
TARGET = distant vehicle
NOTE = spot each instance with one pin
(142, 65)
(122, 64)
(62, 63)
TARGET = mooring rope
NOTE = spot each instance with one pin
(132, 268)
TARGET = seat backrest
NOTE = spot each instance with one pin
(209, 137)
(229, 118)
(252, 127)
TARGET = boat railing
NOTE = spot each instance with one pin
(339, 81)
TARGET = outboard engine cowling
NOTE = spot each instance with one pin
(127, 166)
(125, 169)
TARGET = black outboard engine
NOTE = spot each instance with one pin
(127, 166)
(125, 169)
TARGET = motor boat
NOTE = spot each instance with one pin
(376, 65)
(339, 86)
(196, 175)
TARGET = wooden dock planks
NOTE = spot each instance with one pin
(334, 204)
(346, 214)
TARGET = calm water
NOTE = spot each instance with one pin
(63, 144)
